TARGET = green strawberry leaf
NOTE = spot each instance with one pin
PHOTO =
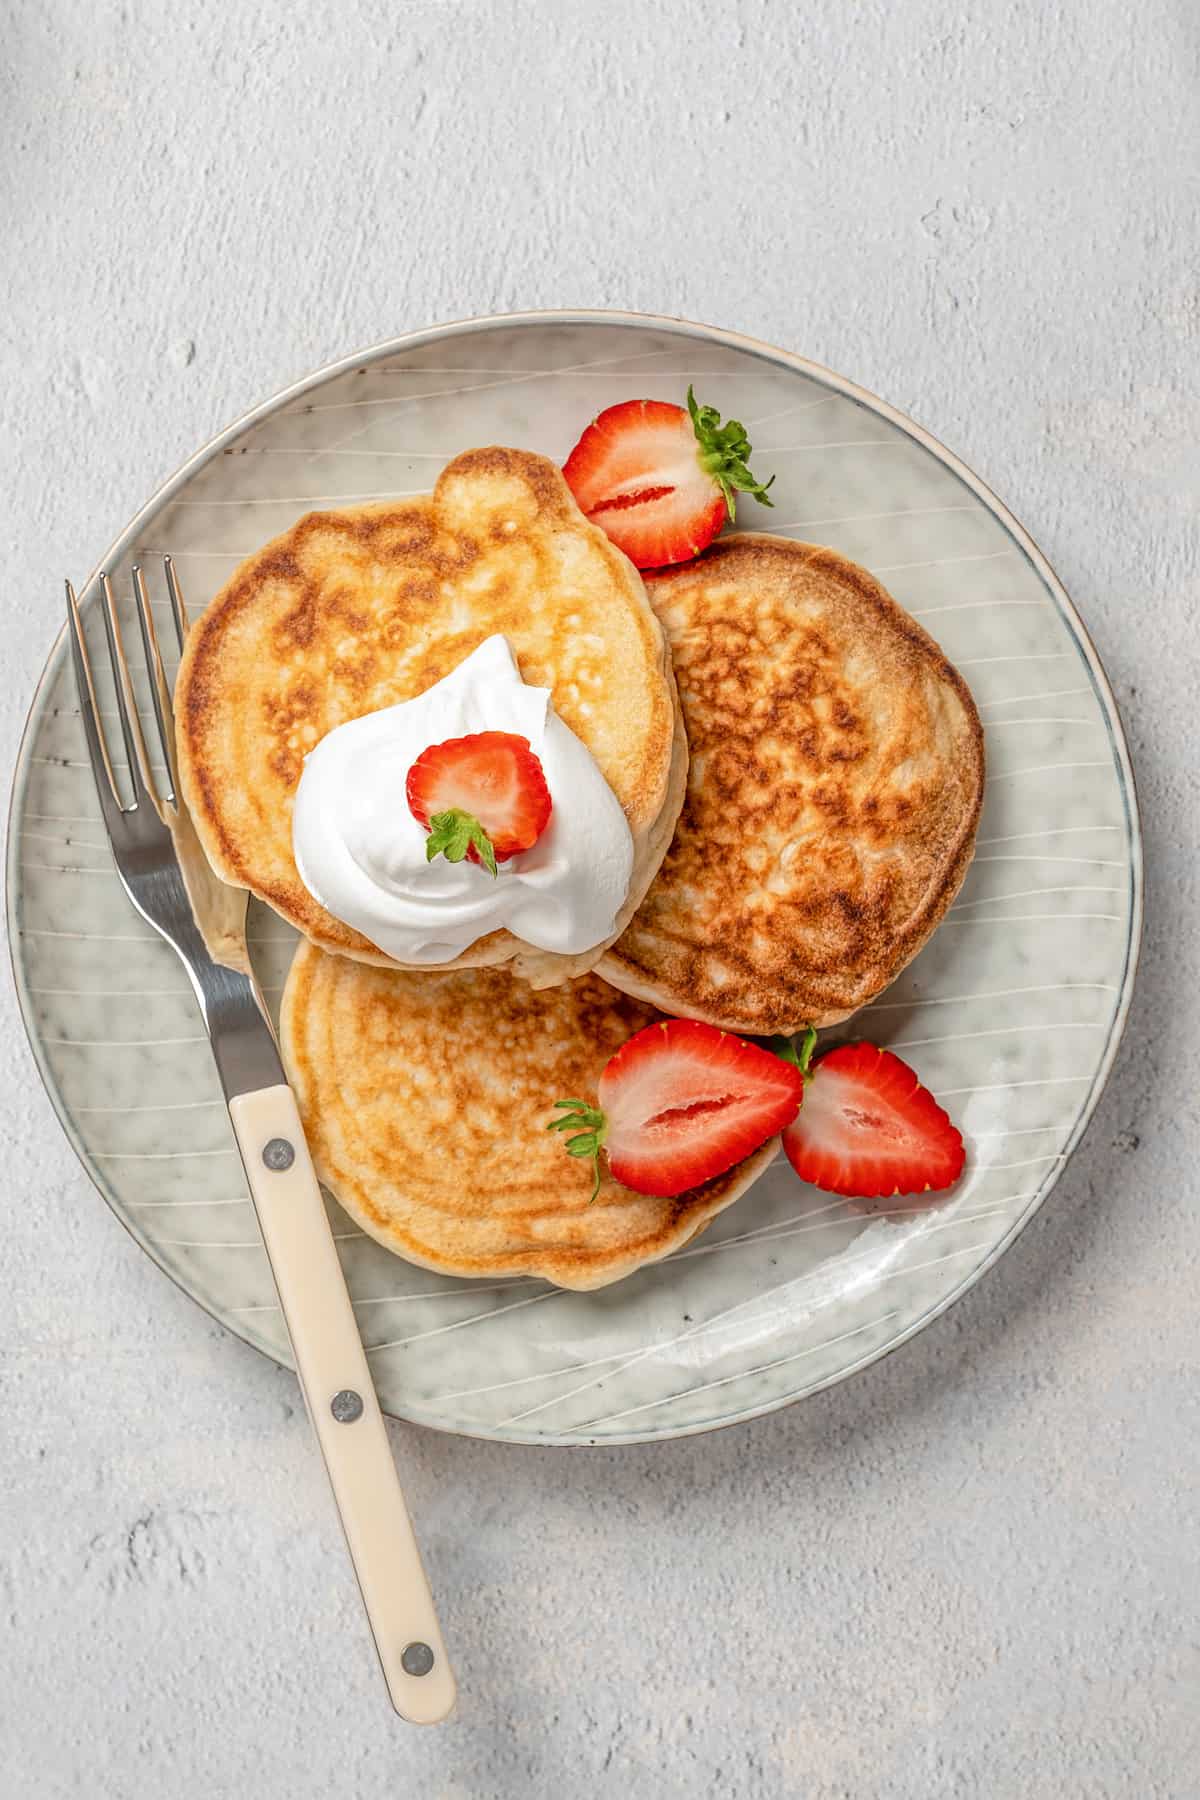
(724, 453)
(453, 833)
(590, 1127)
(785, 1047)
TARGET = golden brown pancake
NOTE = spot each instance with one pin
(354, 610)
(425, 1100)
(834, 791)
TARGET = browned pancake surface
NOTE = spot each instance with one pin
(354, 610)
(834, 790)
(425, 1099)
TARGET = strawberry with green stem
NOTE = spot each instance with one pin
(483, 798)
(660, 481)
(677, 1105)
(867, 1128)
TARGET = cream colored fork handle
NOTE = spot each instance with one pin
(332, 1367)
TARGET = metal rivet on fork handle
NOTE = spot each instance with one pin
(416, 1659)
(346, 1406)
(279, 1155)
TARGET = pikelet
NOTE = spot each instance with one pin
(351, 611)
(425, 1100)
(834, 791)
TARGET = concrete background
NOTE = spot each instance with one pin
(974, 1570)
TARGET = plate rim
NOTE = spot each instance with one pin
(711, 334)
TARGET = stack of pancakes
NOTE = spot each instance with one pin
(800, 767)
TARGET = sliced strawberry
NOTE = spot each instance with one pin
(868, 1128)
(661, 481)
(482, 797)
(680, 1103)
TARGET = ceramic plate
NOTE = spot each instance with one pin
(1011, 1014)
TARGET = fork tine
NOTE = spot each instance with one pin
(131, 727)
(106, 787)
(178, 609)
(160, 694)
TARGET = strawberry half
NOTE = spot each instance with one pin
(868, 1128)
(482, 797)
(680, 1103)
(661, 481)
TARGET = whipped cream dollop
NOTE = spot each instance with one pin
(361, 854)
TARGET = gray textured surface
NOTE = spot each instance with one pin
(973, 1571)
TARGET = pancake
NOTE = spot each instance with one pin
(354, 610)
(425, 1100)
(834, 791)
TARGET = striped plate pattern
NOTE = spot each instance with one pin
(1011, 1015)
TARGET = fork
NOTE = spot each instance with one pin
(166, 875)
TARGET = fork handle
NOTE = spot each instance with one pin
(342, 1404)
